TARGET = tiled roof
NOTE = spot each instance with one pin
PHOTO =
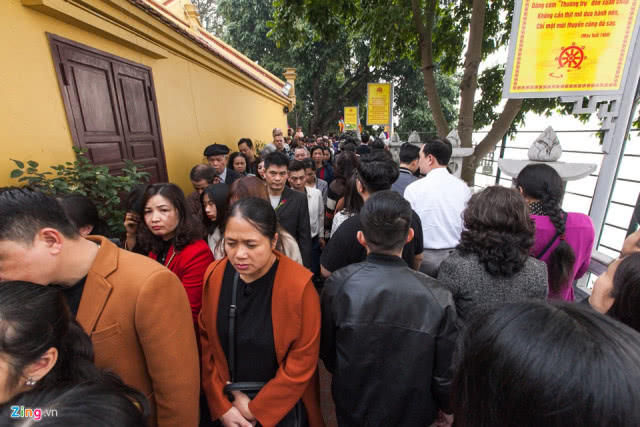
(213, 45)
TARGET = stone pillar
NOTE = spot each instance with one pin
(192, 15)
(394, 147)
(290, 76)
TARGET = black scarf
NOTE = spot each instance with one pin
(536, 208)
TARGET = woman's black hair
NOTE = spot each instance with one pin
(35, 318)
(539, 364)
(498, 230)
(233, 156)
(219, 195)
(82, 212)
(102, 404)
(542, 182)
(626, 292)
(188, 229)
(353, 201)
(346, 163)
(133, 203)
(259, 213)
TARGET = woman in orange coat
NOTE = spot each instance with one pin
(277, 326)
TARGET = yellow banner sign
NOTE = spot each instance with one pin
(563, 47)
(378, 103)
(350, 118)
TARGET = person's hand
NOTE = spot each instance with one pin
(233, 418)
(322, 242)
(443, 420)
(631, 244)
(131, 221)
(241, 403)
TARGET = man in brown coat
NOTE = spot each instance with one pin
(135, 310)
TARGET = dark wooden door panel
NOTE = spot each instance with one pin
(110, 105)
(95, 101)
(154, 169)
(93, 104)
(143, 150)
(139, 116)
(135, 109)
(102, 153)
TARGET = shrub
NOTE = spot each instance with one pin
(83, 177)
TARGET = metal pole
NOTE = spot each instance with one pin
(613, 145)
(391, 110)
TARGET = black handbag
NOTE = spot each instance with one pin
(297, 417)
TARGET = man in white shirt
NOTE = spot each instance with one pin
(297, 181)
(439, 199)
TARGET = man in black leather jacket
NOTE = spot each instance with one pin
(388, 332)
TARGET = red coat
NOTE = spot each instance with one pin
(295, 313)
(190, 265)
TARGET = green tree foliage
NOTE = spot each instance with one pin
(83, 177)
(411, 104)
(332, 73)
(445, 38)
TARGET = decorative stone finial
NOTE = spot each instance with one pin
(546, 147)
(454, 138)
(414, 138)
(192, 15)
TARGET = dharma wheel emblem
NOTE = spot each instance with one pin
(571, 57)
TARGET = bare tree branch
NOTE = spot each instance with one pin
(424, 26)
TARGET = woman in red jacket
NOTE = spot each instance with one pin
(273, 321)
(174, 239)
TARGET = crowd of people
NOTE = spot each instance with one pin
(428, 304)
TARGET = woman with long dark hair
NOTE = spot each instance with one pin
(352, 204)
(346, 165)
(42, 348)
(539, 364)
(260, 323)
(563, 240)
(491, 264)
(214, 201)
(174, 238)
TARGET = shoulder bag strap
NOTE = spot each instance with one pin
(552, 241)
(232, 328)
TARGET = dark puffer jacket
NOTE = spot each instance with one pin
(388, 336)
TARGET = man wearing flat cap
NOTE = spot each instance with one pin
(216, 155)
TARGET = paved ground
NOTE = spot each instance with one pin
(326, 402)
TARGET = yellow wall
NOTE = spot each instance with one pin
(196, 106)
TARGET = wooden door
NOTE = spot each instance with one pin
(138, 112)
(110, 104)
